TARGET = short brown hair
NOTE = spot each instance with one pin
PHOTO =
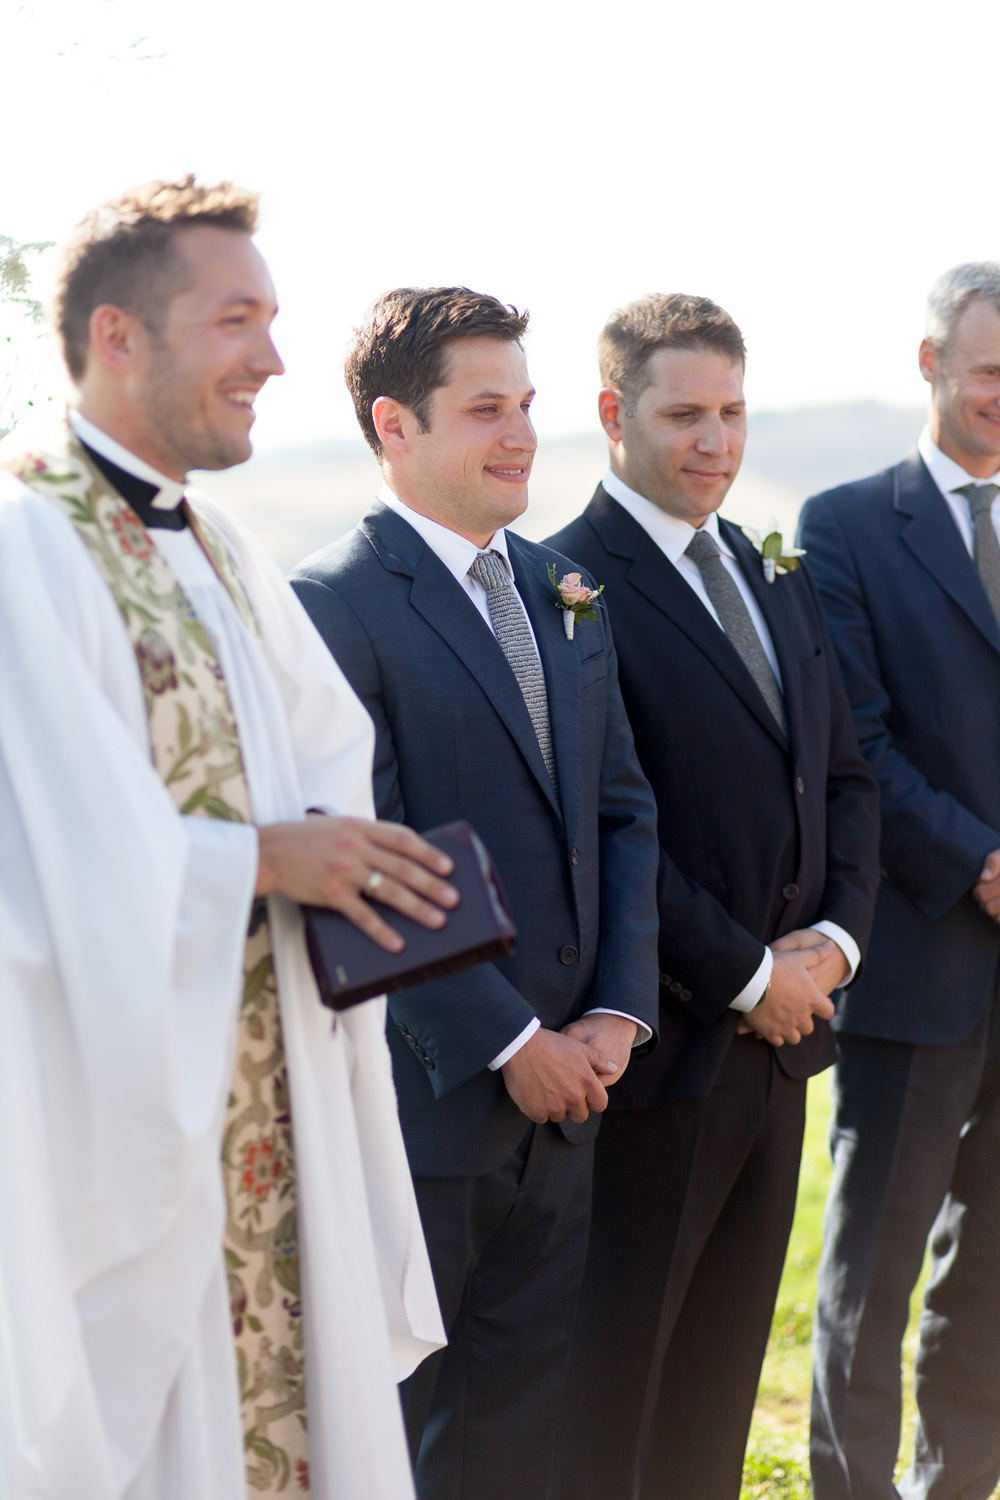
(123, 253)
(400, 349)
(634, 333)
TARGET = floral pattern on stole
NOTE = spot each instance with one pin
(196, 752)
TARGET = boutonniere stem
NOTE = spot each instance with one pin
(574, 598)
(775, 557)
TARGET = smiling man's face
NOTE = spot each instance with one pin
(193, 389)
(965, 377)
(683, 445)
(469, 468)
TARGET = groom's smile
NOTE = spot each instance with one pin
(469, 466)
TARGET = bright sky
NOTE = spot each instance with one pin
(810, 167)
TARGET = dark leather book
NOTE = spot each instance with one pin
(350, 967)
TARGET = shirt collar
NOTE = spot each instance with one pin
(170, 493)
(456, 552)
(670, 535)
(945, 472)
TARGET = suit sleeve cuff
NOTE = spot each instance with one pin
(845, 943)
(751, 993)
(642, 1031)
(515, 1046)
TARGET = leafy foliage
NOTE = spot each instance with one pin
(23, 346)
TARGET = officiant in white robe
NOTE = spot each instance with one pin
(130, 1157)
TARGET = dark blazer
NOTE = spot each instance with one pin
(454, 740)
(920, 650)
(755, 838)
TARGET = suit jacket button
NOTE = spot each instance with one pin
(664, 979)
(676, 987)
(429, 1061)
(800, 785)
(568, 955)
(790, 891)
(685, 994)
(575, 856)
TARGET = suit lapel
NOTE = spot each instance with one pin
(443, 603)
(654, 576)
(561, 667)
(934, 539)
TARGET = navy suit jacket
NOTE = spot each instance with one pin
(454, 740)
(920, 649)
(756, 838)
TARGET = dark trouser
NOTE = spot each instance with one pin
(915, 1139)
(693, 1205)
(507, 1250)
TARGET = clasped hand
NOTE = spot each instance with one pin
(987, 889)
(328, 861)
(807, 966)
(567, 1073)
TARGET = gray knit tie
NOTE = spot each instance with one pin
(985, 547)
(734, 617)
(511, 628)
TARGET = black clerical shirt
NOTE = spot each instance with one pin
(140, 494)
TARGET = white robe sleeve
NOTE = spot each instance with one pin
(122, 929)
(332, 742)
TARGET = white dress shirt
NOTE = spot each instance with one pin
(949, 477)
(458, 554)
(673, 536)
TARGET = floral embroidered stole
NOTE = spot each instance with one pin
(196, 752)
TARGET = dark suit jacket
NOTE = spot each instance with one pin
(454, 740)
(755, 839)
(920, 649)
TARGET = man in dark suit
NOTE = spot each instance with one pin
(768, 830)
(486, 707)
(907, 564)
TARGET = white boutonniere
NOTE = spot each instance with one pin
(574, 599)
(775, 557)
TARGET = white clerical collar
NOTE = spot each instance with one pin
(170, 492)
(456, 552)
(945, 472)
(671, 535)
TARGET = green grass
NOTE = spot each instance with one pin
(777, 1461)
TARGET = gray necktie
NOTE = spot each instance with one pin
(511, 628)
(985, 547)
(735, 620)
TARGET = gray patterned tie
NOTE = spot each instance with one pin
(985, 547)
(735, 620)
(511, 628)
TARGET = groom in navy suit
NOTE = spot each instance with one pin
(486, 707)
(908, 568)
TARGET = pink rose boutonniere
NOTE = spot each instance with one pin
(574, 599)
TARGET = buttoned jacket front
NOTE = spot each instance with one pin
(454, 740)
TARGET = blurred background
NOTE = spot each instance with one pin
(812, 169)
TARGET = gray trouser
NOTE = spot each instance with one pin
(915, 1139)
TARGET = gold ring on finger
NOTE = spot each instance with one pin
(374, 883)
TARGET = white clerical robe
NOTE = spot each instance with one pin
(122, 928)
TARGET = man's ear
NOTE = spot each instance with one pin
(117, 338)
(389, 417)
(929, 359)
(611, 409)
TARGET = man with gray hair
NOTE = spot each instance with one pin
(907, 564)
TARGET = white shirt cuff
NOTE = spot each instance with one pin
(516, 1045)
(751, 993)
(642, 1031)
(845, 943)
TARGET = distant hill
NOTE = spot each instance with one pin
(298, 501)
